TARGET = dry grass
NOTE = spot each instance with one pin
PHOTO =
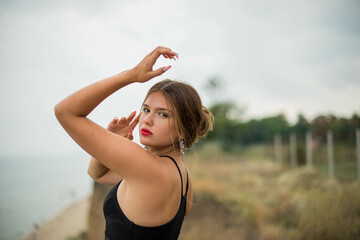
(275, 203)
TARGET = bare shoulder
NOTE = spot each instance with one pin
(149, 171)
(172, 181)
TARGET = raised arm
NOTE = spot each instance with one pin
(115, 152)
(122, 127)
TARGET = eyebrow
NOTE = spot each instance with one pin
(161, 109)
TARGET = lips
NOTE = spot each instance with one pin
(145, 132)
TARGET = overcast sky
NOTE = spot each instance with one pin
(274, 57)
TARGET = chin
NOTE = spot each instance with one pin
(145, 141)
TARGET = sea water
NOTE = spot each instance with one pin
(34, 189)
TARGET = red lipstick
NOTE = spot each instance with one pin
(145, 132)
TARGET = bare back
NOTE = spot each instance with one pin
(155, 204)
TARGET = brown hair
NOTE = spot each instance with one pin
(192, 118)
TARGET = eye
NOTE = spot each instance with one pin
(144, 109)
(163, 115)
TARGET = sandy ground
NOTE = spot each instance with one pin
(68, 223)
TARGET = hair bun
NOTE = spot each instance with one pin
(206, 122)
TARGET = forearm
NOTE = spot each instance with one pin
(82, 102)
(96, 169)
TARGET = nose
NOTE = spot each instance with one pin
(148, 119)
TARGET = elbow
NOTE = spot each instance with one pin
(58, 111)
(62, 113)
(91, 174)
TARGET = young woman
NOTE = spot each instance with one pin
(149, 200)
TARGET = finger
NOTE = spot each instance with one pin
(115, 120)
(131, 117)
(135, 122)
(163, 50)
(157, 49)
(174, 56)
(121, 120)
(159, 71)
(129, 135)
(169, 56)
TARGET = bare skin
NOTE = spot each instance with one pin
(122, 127)
(150, 192)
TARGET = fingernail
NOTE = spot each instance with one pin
(166, 68)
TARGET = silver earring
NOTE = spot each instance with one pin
(145, 147)
(182, 148)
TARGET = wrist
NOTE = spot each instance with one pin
(124, 78)
(132, 75)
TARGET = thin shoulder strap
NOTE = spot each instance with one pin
(187, 182)
(178, 170)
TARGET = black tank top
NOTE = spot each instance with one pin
(119, 227)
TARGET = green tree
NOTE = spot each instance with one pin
(320, 126)
(227, 117)
(301, 126)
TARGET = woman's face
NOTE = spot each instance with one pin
(157, 125)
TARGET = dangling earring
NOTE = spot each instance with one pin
(182, 148)
(145, 147)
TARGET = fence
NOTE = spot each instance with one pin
(309, 147)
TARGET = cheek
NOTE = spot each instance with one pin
(164, 129)
(142, 119)
(172, 129)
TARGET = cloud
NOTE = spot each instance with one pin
(276, 56)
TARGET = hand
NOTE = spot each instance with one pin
(124, 126)
(144, 70)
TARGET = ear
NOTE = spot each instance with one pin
(181, 136)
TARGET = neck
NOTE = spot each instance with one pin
(169, 150)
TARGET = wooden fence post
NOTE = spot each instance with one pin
(330, 148)
(278, 149)
(358, 152)
(309, 159)
(293, 151)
